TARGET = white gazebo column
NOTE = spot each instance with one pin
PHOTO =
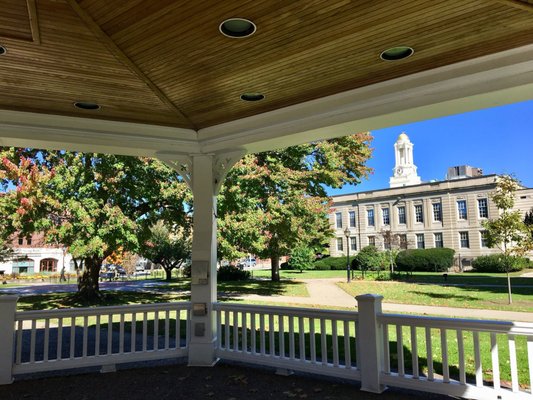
(204, 259)
(204, 174)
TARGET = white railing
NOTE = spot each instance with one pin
(102, 336)
(466, 358)
(458, 356)
(287, 338)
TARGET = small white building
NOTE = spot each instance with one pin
(33, 255)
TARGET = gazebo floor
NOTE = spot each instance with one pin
(177, 381)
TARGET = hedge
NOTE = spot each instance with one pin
(331, 263)
(231, 273)
(430, 260)
(496, 263)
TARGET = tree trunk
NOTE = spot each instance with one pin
(88, 286)
(168, 272)
(274, 262)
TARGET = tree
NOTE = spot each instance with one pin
(508, 232)
(166, 247)
(369, 259)
(94, 204)
(302, 257)
(273, 201)
(392, 245)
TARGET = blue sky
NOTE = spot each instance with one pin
(498, 140)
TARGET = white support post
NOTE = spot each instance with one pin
(8, 307)
(370, 342)
(202, 326)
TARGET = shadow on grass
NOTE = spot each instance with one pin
(51, 301)
(446, 296)
(229, 290)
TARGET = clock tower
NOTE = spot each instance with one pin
(404, 172)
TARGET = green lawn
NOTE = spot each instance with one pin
(491, 298)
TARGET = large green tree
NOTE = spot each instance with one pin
(508, 232)
(168, 245)
(274, 201)
(94, 204)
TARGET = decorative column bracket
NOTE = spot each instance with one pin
(182, 164)
(222, 165)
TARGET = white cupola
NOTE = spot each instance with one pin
(404, 172)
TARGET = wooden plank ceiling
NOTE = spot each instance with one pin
(165, 61)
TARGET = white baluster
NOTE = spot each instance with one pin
(429, 354)
(414, 352)
(512, 361)
(495, 361)
(461, 354)
(477, 360)
(444, 346)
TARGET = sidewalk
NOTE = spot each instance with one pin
(326, 292)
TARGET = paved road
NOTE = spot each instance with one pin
(44, 288)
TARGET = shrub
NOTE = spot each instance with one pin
(285, 266)
(231, 273)
(429, 260)
(302, 257)
(369, 259)
(496, 263)
(331, 263)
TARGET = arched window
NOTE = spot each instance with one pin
(48, 265)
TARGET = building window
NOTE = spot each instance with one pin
(438, 239)
(437, 212)
(419, 213)
(28, 241)
(338, 219)
(483, 208)
(484, 239)
(386, 216)
(403, 241)
(48, 265)
(23, 266)
(461, 209)
(370, 215)
(372, 241)
(420, 241)
(352, 219)
(401, 215)
(465, 243)
(339, 244)
(353, 244)
(21, 240)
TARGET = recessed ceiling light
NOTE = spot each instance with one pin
(237, 28)
(396, 53)
(252, 96)
(3, 50)
(84, 105)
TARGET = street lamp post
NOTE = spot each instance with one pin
(347, 234)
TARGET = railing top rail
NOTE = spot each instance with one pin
(287, 311)
(521, 328)
(92, 311)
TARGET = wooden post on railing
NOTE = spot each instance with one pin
(370, 342)
(8, 307)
